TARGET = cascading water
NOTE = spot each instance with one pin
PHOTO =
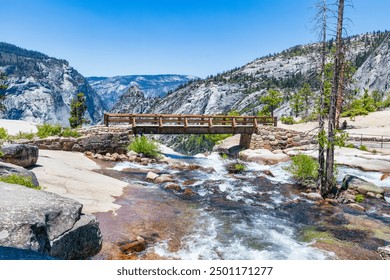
(253, 215)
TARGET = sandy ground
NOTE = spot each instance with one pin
(70, 174)
(13, 127)
(376, 123)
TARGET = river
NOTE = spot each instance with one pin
(255, 215)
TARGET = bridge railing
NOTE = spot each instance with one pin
(162, 120)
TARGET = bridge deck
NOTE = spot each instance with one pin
(189, 124)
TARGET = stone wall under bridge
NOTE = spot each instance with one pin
(96, 139)
(274, 138)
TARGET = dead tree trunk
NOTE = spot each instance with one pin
(329, 188)
(340, 94)
(321, 132)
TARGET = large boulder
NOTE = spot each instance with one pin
(263, 156)
(229, 146)
(47, 223)
(23, 155)
(385, 252)
(7, 169)
(361, 186)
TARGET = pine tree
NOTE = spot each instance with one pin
(3, 87)
(306, 95)
(77, 109)
(271, 100)
(296, 103)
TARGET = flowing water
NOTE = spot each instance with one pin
(255, 215)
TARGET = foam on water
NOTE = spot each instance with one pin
(372, 177)
(263, 238)
(253, 233)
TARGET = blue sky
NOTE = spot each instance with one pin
(196, 37)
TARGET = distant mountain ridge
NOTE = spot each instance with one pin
(241, 88)
(110, 89)
(40, 88)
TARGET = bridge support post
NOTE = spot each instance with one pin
(245, 140)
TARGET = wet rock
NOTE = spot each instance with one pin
(164, 178)
(46, 223)
(133, 246)
(132, 158)
(384, 252)
(98, 156)
(370, 194)
(268, 173)
(263, 156)
(360, 185)
(115, 157)
(23, 155)
(123, 157)
(188, 192)
(145, 161)
(229, 146)
(331, 201)
(173, 187)
(7, 169)
(384, 176)
(312, 196)
(189, 182)
(132, 153)
(88, 154)
(152, 176)
(357, 207)
(346, 198)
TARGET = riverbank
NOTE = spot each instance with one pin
(72, 175)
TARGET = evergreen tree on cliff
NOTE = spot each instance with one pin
(77, 109)
(3, 87)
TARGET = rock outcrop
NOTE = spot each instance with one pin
(46, 223)
(20, 154)
(361, 186)
(384, 252)
(7, 169)
(97, 139)
(241, 88)
(40, 88)
(229, 146)
(110, 89)
(262, 156)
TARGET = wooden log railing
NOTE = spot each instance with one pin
(189, 124)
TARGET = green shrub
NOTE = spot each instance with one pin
(145, 146)
(363, 148)
(287, 120)
(3, 133)
(239, 167)
(350, 145)
(19, 180)
(236, 167)
(25, 135)
(68, 132)
(359, 198)
(46, 130)
(224, 156)
(303, 168)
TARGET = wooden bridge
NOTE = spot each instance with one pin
(189, 124)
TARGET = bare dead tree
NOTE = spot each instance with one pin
(322, 18)
(329, 189)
